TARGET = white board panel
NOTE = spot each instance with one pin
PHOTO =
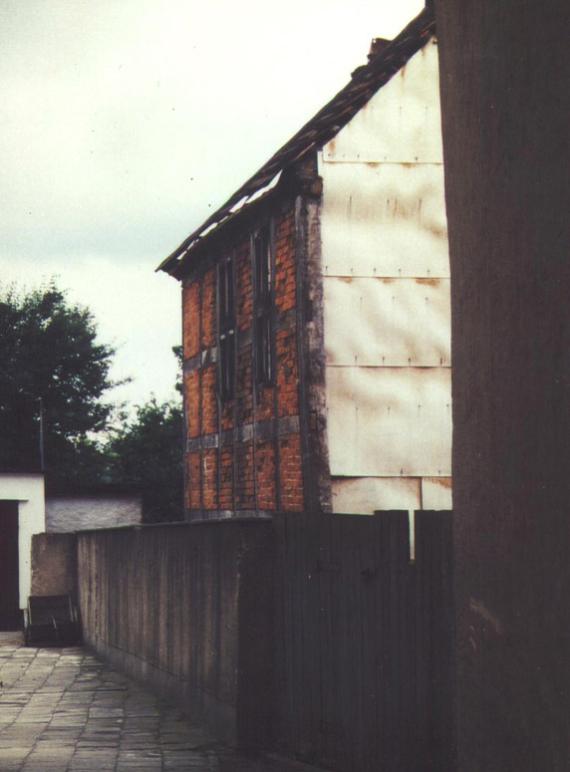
(437, 493)
(384, 220)
(389, 422)
(387, 322)
(401, 123)
(28, 491)
(364, 495)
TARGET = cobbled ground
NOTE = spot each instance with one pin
(64, 710)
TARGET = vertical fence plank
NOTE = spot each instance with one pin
(366, 646)
(435, 629)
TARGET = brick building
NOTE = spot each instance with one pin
(316, 310)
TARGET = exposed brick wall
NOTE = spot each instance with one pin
(244, 482)
(264, 403)
(193, 478)
(265, 475)
(244, 467)
(227, 415)
(209, 308)
(191, 318)
(244, 285)
(209, 400)
(287, 373)
(209, 472)
(290, 472)
(192, 403)
(285, 267)
(227, 479)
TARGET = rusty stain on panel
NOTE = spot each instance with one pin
(428, 282)
(437, 493)
(389, 421)
(401, 123)
(396, 224)
(387, 329)
(365, 495)
(396, 324)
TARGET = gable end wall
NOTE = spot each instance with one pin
(385, 272)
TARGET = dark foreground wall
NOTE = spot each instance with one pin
(363, 644)
(505, 86)
(187, 608)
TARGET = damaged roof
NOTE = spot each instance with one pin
(366, 81)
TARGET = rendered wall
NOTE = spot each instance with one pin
(387, 300)
(77, 513)
(505, 85)
(28, 491)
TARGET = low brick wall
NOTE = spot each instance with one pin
(188, 608)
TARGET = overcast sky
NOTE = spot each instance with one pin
(125, 122)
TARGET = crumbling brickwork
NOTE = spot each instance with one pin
(243, 450)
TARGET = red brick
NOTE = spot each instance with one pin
(209, 400)
(192, 403)
(244, 479)
(209, 475)
(244, 394)
(227, 415)
(250, 475)
(193, 478)
(244, 305)
(264, 403)
(287, 373)
(209, 309)
(227, 479)
(191, 319)
(265, 475)
(290, 473)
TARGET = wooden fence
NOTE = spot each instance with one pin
(364, 642)
(311, 634)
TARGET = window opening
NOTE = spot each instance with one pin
(227, 328)
(263, 308)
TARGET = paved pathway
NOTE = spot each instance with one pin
(62, 709)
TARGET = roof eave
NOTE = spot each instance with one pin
(319, 130)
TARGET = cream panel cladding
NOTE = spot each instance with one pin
(364, 495)
(389, 422)
(437, 493)
(384, 220)
(390, 322)
(402, 121)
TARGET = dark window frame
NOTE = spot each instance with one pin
(263, 264)
(227, 331)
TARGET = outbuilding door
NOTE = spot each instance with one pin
(9, 566)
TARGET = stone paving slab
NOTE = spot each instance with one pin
(62, 710)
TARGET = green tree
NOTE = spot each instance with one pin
(52, 365)
(146, 454)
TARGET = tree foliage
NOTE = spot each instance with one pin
(146, 454)
(51, 363)
(54, 366)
